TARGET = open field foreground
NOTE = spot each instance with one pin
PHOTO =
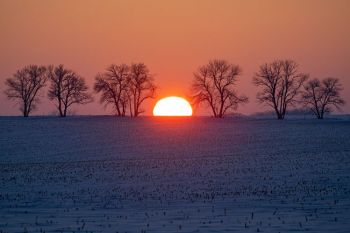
(107, 174)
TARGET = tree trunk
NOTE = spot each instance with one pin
(320, 116)
(65, 111)
(25, 110)
(60, 107)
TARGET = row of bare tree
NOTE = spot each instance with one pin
(66, 88)
(284, 86)
(126, 87)
(281, 84)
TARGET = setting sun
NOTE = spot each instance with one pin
(172, 106)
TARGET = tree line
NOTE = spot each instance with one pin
(126, 87)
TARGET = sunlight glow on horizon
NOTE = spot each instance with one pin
(172, 106)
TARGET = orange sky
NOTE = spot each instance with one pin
(173, 38)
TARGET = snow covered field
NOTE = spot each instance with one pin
(102, 174)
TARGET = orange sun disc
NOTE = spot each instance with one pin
(172, 106)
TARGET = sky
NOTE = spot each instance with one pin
(173, 38)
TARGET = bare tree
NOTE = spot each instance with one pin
(214, 85)
(321, 96)
(67, 88)
(25, 85)
(280, 82)
(140, 87)
(113, 86)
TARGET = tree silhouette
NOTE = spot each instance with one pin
(113, 86)
(140, 87)
(67, 88)
(213, 85)
(25, 85)
(321, 96)
(280, 82)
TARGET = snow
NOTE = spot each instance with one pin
(107, 174)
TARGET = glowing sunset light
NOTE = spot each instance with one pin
(172, 106)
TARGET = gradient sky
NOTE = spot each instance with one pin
(173, 38)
